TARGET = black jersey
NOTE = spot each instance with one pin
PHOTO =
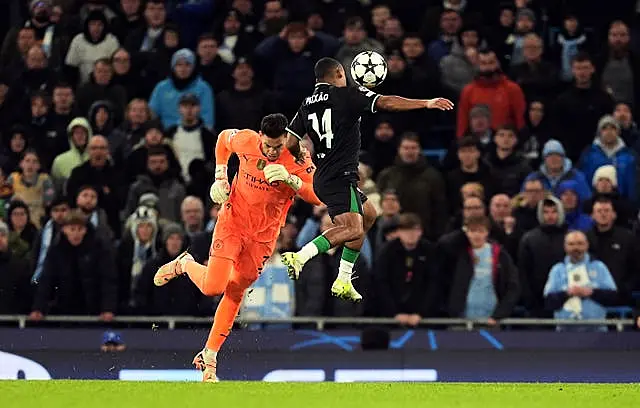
(331, 118)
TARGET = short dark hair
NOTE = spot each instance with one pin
(29, 150)
(87, 187)
(105, 61)
(547, 202)
(62, 84)
(75, 217)
(157, 151)
(582, 56)
(274, 125)
(509, 127)
(206, 37)
(325, 67)
(414, 36)
(411, 136)
(354, 23)
(486, 50)
(468, 141)
(156, 2)
(409, 221)
(477, 221)
(602, 199)
(39, 94)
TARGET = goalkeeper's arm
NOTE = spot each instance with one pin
(220, 189)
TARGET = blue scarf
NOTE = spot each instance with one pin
(47, 235)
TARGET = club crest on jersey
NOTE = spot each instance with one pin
(261, 164)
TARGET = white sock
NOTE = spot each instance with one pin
(210, 355)
(345, 270)
(307, 252)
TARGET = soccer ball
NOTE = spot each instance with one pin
(369, 69)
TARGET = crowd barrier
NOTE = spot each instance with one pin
(320, 323)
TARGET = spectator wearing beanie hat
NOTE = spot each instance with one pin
(136, 249)
(183, 79)
(605, 183)
(556, 168)
(182, 298)
(609, 148)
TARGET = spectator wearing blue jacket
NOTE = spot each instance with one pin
(579, 288)
(567, 191)
(556, 168)
(183, 80)
(609, 148)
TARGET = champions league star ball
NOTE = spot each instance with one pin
(369, 69)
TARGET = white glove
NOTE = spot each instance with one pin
(277, 172)
(220, 189)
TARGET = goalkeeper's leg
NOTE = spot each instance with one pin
(211, 279)
(239, 281)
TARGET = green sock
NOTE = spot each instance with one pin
(322, 244)
(350, 255)
(319, 245)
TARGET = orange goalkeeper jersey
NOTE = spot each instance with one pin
(256, 207)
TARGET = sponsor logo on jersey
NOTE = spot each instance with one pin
(258, 182)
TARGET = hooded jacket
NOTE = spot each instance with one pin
(576, 219)
(539, 250)
(72, 158)
(620, 156)
(84, 51)
(457, 71)
(166, 95)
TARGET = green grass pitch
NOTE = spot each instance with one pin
(116, 394)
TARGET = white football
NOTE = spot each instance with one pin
(369, 69)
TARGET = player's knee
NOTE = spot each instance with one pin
(213, 290)
(235, 290)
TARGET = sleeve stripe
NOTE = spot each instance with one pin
(293, 133)
(373, 103)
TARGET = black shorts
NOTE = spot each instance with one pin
(341, 196)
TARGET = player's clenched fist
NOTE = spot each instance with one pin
(277, 172)
(220, 189)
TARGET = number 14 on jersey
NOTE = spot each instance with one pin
(325, 132)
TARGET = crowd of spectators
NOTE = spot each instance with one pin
(524, 202)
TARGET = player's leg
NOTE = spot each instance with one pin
(351, 249)
(250, 263)
(210, 279)
(344, 204)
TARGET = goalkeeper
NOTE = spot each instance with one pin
(253, 210)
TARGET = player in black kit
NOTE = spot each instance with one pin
(331, 119)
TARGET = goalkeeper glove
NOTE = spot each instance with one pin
(220, 189)
(277, 172)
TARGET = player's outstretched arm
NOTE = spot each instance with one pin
(398, 103)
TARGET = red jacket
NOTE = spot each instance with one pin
(503, 96)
